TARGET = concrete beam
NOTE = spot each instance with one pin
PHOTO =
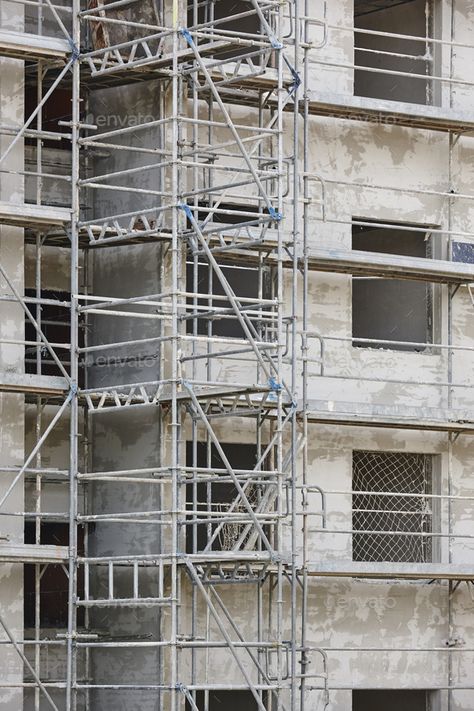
(389, 113)
(26, 383)
(32, 553)
(24, 215)
(390, 266)
(409, 571)
(408, 418)
(21, 45)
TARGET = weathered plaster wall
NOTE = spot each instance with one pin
(403, 168)
(11, 327)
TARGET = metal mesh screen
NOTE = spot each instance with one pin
(231, 532)
(407, 478)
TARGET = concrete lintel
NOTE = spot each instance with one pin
(27, 383)
(409, 571)
(22, 45)
(25, 215)
(390, 266)
(409, 418)
(390, 113)
(26, 553)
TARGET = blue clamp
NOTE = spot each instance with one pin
(274, 385)
(187, 210)
(296, 79)
(294, 74)
(276, 44)
(75, 53)
(277, 216)
(187, 36)
(73, 389)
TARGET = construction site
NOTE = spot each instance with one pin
(236, 355)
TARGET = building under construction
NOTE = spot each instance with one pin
(236, 355)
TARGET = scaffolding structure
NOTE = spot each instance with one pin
(228, 200)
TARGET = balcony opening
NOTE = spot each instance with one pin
(56, 109)
(55, 325)
(394, 68)
(218, 317)
(392, 507)
(393, 700)
(213, 496)
(228, 16)
(401, 312)
(226, 701)
(54, 580)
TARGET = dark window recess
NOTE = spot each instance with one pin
(54, 581)
(56, 327)
(57, 108)
(401, 18)
(408, 478)
(227, 701)
(244, 282)
(391, 309)
(391, 700)
(228, 10)
(203, 497)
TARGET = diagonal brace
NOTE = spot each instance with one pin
(36, 449)
(26, 662)
(31, 318)
(238, 486)
(225, 634)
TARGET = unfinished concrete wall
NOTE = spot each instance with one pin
(124, 440)
(11, 358)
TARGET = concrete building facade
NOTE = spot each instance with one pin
(236, 348)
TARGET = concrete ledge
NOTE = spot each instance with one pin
(389, 113)
(22, 45)
(390, 266)
(409, 571)
(409, 418)
(26, 553)
(33, 384)
(25, 215)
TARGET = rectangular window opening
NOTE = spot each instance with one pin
(218, 317)
(212, 496)
(392, 496)
(398, 311)
(236, 16)
(238, 700)
(56, 109)
(394, 700)
(393, 68)
(54, 581)
(55, 322)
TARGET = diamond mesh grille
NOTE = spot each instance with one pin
(407, 478)
(230, 533)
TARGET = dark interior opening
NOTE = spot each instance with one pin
(226, 701)
(54, 581)
(57, 108)
(203, 496)
(400, 18)
(244, 282)
(391, 309)
(227, 10)
(56, 327)
(390, 700)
